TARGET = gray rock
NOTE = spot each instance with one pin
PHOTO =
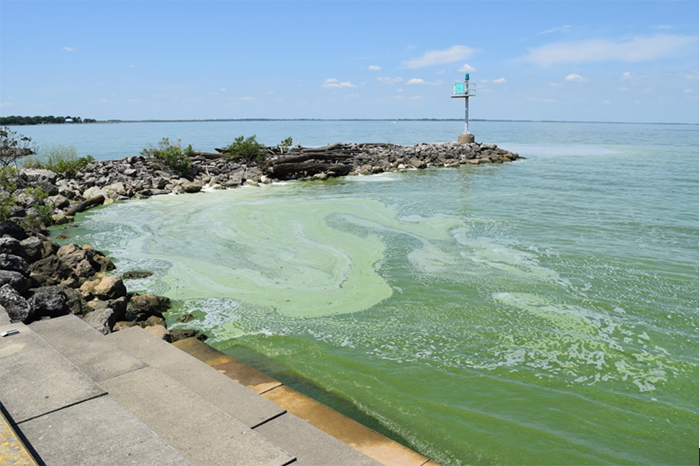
(49, 301)
(15, 305)
(10, 245)
(35, 175)
(144, 306)
(191, 187)
(16, 280)
(14, 263)
(51, 271)
(57, 201)
(13, 230)
(102, 320)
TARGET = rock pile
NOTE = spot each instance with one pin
(39, 279)
(139, 177)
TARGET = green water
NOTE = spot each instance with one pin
(539, 312)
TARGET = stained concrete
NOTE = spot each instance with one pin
(231, 398)
(35, 379)
(200, 431)
(310, 445)
(89, 350)
(98, 432)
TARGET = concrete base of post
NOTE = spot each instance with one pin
(465, 138)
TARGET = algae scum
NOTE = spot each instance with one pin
(481, 316)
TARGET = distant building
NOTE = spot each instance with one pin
(69, 120)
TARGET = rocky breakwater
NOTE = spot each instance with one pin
(40, 279)
(104, 182)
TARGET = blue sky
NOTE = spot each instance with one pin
(554, 60)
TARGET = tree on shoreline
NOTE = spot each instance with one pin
(14, 146)
(40, 120)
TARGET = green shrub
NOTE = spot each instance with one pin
(286, 145)
(59, 159)
(171, 154)
(246, 149)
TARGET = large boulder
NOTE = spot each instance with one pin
(13, 230)
(14, 263)
(104, 287)
(16, 280)
(17, 308)
(9, 245)
(34, 248)
(52, 271)
(144, 306)
(49, 301)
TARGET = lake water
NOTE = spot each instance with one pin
(539, 312)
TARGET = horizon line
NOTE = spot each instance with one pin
(194, 120)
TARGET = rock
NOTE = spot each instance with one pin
(14, 264)
(136, 274)
(57, 202)
(95, 192)
(122, 324)
(107, 287)
(144, 306)
(75, 301)
(47, 187)
(13, 230)
(159, 332)
(17, 308)
(16, 280)
(102, 319)
(191, 187)
(186, 318)
(177, 334)
(9, 245)
(35, 175)
(49, 301)
(51, 271)
(151, 321)
(61, 219)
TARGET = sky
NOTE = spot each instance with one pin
(626, 61)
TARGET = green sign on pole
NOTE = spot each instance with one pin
(459, 88)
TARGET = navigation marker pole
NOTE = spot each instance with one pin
(464, 90)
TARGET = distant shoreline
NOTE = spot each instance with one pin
(424, 120)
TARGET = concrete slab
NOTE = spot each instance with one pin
(348, 431)
(227, 365)
(138, 342)
(229, 396)
(310, 445)
(12, 450)
(197, 429)
(98, 432)
(85, 347)
(35, 379)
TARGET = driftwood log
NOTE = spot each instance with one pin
(93, 201)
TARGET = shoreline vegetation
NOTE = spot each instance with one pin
(6, 122)
(40, 279)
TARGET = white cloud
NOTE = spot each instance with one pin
(626, 75)
(687, 91)
(332, 83)
(133, 66)
(374, 68)
(390, 80)
(68, 49)
(499, 81)
(413, 81)
(223, 89)
(638, 49)
(564, 28)
(575, 78)
(440, 57)
(354, 95)
(605, 102)
(555, 84)
(466, 69)
(6, 104)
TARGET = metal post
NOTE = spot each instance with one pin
(466, 115)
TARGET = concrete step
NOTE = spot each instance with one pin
(307, 420)
(196, 428)
(65, 417)
(232, 398)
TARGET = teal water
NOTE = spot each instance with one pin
(538, 312)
